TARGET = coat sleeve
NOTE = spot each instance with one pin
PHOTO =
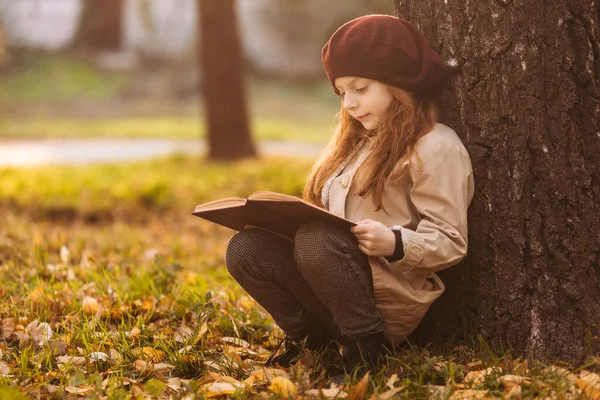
(441, 193)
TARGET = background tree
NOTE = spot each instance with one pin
(100, 25)
(223, 83)
(525, 100)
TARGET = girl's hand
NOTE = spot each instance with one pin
(374, 238)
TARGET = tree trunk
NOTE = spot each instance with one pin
(100, 26)
(223, 82)
(525, 99)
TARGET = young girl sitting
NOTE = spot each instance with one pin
(406, 181)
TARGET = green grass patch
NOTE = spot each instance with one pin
(160, 127)
(39, 77)
(174, 184)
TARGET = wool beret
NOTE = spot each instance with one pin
(387, 49)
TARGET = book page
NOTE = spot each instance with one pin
(225, 202)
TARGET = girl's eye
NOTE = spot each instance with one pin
(360, 90)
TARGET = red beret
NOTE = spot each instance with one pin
(387, 49)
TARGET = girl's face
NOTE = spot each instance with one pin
(365, 99)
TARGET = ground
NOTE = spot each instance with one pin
(111, 289)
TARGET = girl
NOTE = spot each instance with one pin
(406, 181)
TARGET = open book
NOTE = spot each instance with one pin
(275, 212)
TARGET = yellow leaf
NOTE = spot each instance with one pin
(149, 354)
(79, 389)
(268, 374)
(90, 305)
(135, 333)
(560, 371)
(142, 366)
(390, 393)
(219, 389)
(514, 380)
(589, 384)
(359, 390)
(37, 295)
(283, 388)
(469, 394)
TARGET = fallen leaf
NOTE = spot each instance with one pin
(391, 380)
(468, 394)
(475, 366)
(99, 356)
(589, 384)
(334, 392)
(359, 390)
(163, 367)
(219, 389)
(235, 341)
(135, 333)
(283, 388)
(85, 389)
(514, 380)
(90, 305)
(142, 366)
(560, 371)
(8, 327)
(4, 369)
(388, 394)
(476, 377)
(41, 333)
(71, 360)
(183, 333)
(65, 254)
(115, 356)
(268, 374)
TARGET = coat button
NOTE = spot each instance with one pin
(345, 182)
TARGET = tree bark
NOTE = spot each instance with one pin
(524, 97)
(100, 26)
(223, 83)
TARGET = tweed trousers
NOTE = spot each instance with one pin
(321, 278)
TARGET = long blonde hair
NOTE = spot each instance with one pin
(408, 119)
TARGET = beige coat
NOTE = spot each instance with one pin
(429, 205)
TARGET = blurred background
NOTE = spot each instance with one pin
(118, 70)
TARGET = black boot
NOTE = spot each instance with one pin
(370, 351)
(317, 339)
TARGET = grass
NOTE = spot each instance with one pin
(138, 301)
(148, 127)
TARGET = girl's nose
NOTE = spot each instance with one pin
(349, 102)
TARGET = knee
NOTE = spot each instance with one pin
(241, 248)
(314, 243)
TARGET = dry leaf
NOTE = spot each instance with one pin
(334, 392)
(71, 360)
(589, 384)
(268, 374)
(513, 392)
(65, 254)
(235, 341)
(359, 390)
(149, 354)
(142, 366)
(183, 333)
(41, 333)
(99, 356)
(8, 327)
(84, 389)
(219, 389)
(134, 334)
(90, 305)
(476, 377)
(115, 356)
(4, 369)
(163, 367)
(283, 388)
(388, 394)
(514, 380)
(391, 380)
(468, 394)
(475, 366)
(562, 372)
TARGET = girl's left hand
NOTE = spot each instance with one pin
(374, 238)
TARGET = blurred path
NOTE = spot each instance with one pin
(35, 152)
